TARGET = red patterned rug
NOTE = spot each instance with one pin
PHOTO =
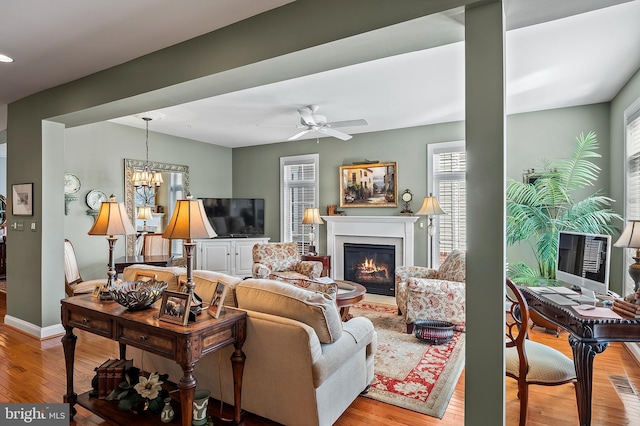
(409, 372)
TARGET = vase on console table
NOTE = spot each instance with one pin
(167, 414)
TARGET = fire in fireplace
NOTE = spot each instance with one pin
(372, 265)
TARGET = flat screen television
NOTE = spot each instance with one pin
(235, 217)
(584, 259)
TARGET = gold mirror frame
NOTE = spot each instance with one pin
(3, 210)
(130, 166)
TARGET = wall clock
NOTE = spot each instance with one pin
(407, 196)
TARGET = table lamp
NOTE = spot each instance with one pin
(630, 238)
(189, 221)
(144, 213)
(112, 220)
(312, 217)
(430, 207)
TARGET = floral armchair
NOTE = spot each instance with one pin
(434, 294)
(281, 261)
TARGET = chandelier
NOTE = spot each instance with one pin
(146, 180)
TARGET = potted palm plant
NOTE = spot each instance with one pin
(537, 210)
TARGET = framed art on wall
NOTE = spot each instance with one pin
(369, 185)
(22, 199)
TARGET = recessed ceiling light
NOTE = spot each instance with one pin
(5, 58)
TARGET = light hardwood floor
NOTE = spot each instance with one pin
(33, 371)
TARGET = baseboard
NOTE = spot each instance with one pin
(34, 330)
(634, 350)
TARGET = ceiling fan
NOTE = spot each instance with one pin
(312, 122)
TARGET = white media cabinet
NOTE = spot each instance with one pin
(232, 256)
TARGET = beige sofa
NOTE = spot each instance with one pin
(290, 376)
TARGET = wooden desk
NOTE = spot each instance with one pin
(588, 337)
(124, 261)
(326, 263)
(142, 329)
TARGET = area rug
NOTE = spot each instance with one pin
(411, 373)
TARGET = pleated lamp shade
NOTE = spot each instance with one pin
(430, 207)
(312, 216)
(189, 221)
(112, 220)
(630, 236)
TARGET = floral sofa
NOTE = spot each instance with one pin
(304, 366)
(433, 294)
(282, 261)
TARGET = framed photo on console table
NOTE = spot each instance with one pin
(215, 307)
(175, 307)
(369, 185)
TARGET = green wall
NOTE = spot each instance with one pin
(256, 171)
(95, 153)
(531, 137)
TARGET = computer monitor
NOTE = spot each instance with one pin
(583, 260)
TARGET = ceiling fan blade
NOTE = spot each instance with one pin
(297, 135)
(335, 133)
(348, 123)
(306, 116)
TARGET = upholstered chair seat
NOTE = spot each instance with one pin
(432, 294)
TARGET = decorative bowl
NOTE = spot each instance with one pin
(136, 295)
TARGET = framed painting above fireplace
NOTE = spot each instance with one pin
(369, 185)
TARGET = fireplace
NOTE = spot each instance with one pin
(372, 265)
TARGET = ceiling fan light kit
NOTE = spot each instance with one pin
(312, 122)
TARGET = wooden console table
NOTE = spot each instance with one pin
(588, 337)
(142, 329)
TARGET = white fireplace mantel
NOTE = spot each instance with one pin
(394, 230)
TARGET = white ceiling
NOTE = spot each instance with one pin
(580, 59)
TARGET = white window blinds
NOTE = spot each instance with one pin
(632, 208)
(299, 190)
(447, 177)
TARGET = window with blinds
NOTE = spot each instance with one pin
(299, 190)
(447, 182)
(632, 196)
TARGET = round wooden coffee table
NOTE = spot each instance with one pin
(349, 293)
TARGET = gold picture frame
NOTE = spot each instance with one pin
(175, 307)
(369, 185)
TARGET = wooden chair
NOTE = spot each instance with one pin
(155, 245)
(73, 282)
(528, 362)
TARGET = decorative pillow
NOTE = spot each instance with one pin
(317, 310)
(330, 289)
(453, 268)
(205, 285)
(168, 274)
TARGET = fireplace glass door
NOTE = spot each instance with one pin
(372, 265)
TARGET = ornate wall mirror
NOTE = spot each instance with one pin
(3, 211)
(161, 200)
